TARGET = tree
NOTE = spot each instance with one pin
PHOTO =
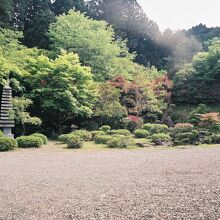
(108, 108)
(63, 6)
(199, 81)
(61, 89)
(130, 22)
(20, 114)
(94, 42)
(5, 13)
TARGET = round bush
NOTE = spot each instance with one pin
(29, 142)
(160, 137)
(118, 142)
(187, 138)
(74, 142)
(207, 140)
(121, 132)
(156, 128)
(63, 138)
(42, 136)
(102, 139)
(141, 133)
(83, 134)
(96, 133)
(178, 130)
(7, 144)
(215, 138)
(105, 128)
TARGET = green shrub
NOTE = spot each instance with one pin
(7, 144)
(63, 138)
(215, 138)
(178, 130)
(105, 128)
(121, 132)
(83, 134)
(187, 138)
(96, 133)
(207, 140)
(141, 133)
(119, 142)
(156, 128)
(74, 141)
(160, 137)
(102, 139)
(29, 142)
(42, 136)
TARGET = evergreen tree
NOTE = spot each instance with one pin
(130, 22)
(5, 13)
(63, 6)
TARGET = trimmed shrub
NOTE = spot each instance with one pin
(74, 142)
(119, 142)
(215, 138)
(102, 139)
(29, 142)
(7, 144)
(64, 137)
(121, 132)
(207, 140)
(42, 136)
(156, 128)
(141, 133)
(161, 137)
(83, 134)
(178, 130)
(187, 138)
(105, 128)
(96, 133)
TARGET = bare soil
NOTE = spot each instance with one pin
(57, 184)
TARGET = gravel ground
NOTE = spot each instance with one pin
(140, 184)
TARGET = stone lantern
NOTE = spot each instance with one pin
(6, 106)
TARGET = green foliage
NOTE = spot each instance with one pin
(64, 137)
(160, 137)
(7, 144)
(67, 86)
(179, 130)
(141, 133)
(29, 142)
(74, 141)
(20, 114)
(102, 139)
(108, 107)
(93, 41)
(201, 109)
(156, 128)
(215, 138)
(207, 140)
(105, 128)
(119, 142)
(97, 133)
(198, 82)
(43, 137)
(121, 132)
(187, 138)
(60, 7)
(1, 134)
(83, 134)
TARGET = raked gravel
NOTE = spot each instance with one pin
(112, 184)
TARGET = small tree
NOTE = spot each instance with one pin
(20, 114)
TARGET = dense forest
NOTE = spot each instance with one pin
(103, 62)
